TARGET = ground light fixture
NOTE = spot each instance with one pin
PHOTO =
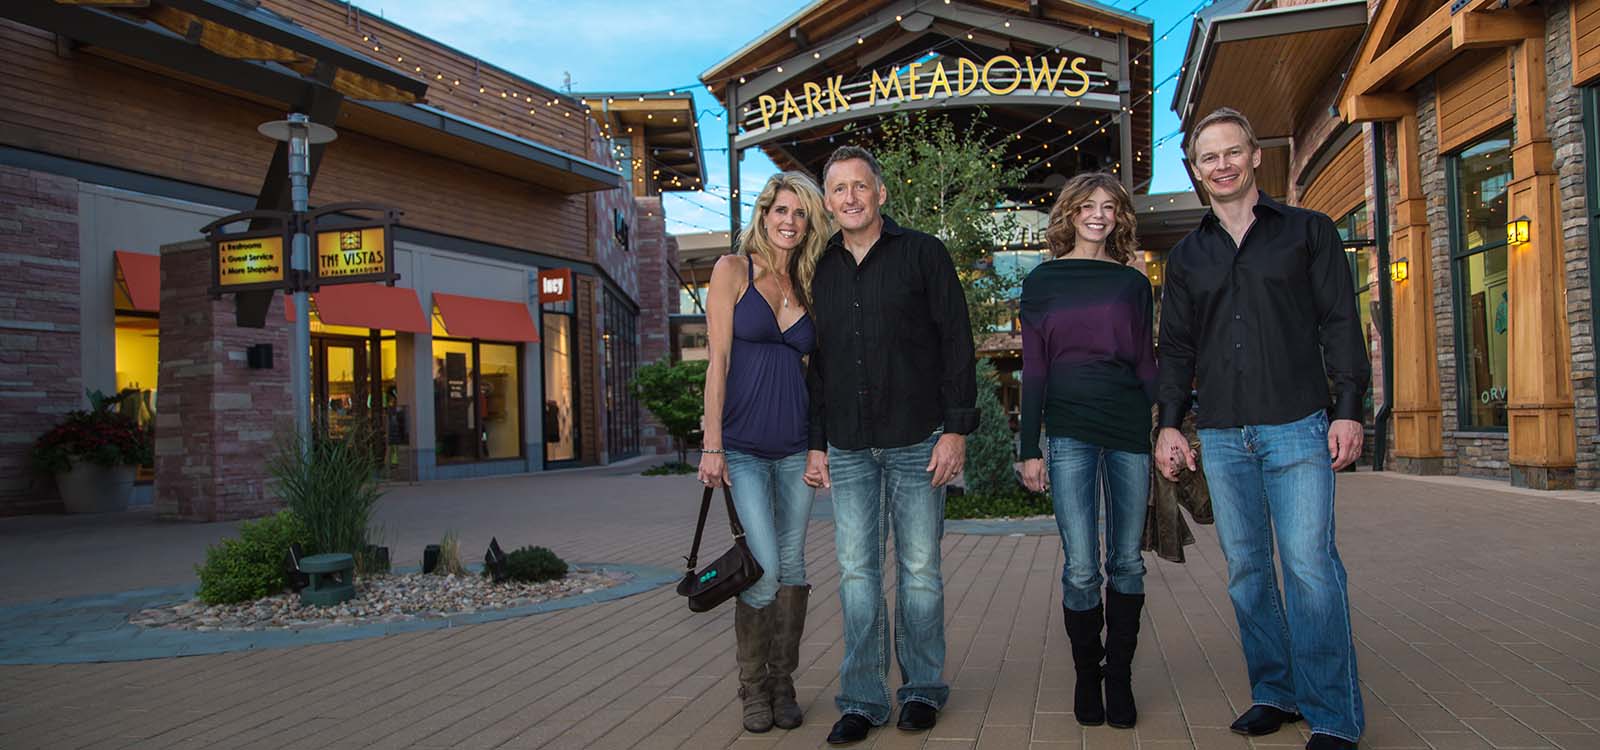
(1399, 270)
(1517, 230)
(494, 561)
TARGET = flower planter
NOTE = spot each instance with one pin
(92, 488)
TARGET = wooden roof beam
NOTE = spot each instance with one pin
(805, 60)
(1043, 34)
(1495, 29)
(1377, 107)
(1403, 56)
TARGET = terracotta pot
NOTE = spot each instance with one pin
(92, 488)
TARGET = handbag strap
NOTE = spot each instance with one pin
(700, 526)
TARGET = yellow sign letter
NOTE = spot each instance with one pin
(880, 86)
(940, 78)
(836, 98)
(1016, 79)
(1043, 76)
(1083, 78)
(962, 86)
(769, 107)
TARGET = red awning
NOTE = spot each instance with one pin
(140, 277)
(370, 306)
(489, 319)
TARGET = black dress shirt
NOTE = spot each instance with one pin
(894, 357)
(1266, 325)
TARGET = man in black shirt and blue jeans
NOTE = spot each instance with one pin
(1258, 310)
(893, 395)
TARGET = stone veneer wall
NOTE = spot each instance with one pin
(1564, 117)
(40, 333)
(658, 298)
(218, 421)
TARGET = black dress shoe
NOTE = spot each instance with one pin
(850, 728)
(1260, 720)
(1329, 742)
(916, 716)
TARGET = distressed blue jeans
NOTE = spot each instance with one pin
(874, 489)
(1275, 482)
(1080, 474)
(774, 505)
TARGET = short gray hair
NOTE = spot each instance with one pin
(846, 153)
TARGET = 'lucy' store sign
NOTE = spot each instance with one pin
(998, 76)
(555, 285)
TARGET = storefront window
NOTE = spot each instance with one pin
(560, 412)
(621, 344)
(137, 362)
(1353, 228)
(690, 340)
(692, 301)
(477, 409)
(1479, 176)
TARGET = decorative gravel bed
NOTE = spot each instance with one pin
(385, 598)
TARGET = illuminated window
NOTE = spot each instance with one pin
(1479, 176)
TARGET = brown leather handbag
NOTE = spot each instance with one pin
(733, 572)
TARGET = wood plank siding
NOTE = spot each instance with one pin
(1474, 97)
(1341, 186)
(102, 111)
(1585, 17)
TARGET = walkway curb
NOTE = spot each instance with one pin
(96, 628)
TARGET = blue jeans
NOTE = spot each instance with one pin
(1276, 481)
(872, 489)
(774, 506)
(1080, 473)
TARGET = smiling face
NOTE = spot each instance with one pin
(1096, 216)
(1224, 161)
(853, 194)
(785, 221)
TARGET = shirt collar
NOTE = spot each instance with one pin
(889, 229)
(1264, 204)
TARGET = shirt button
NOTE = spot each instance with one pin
(1236, 316)
(1237, 346)
(858, 304)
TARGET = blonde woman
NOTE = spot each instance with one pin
(756, 429)
(1089, 369)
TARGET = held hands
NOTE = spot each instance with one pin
(949, 454)
(1173, 452)
(1344, 442)
(714, 470)
(817, 469)
(1033, 475)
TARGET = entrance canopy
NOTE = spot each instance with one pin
(489, 319)
(139, 279)
(1068, 83)
(378, 306)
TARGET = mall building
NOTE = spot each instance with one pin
(1455, 145)
(533, 262)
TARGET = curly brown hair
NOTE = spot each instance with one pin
(1061, 232)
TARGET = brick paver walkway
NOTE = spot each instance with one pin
(1477, 612)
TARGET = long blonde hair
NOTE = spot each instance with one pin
(1062, 233)
(753, 239)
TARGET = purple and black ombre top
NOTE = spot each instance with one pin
(1088, 359)
(766, 403)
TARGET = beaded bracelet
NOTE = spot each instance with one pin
(712, 451)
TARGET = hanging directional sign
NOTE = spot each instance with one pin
(350, 250)
(253, 259)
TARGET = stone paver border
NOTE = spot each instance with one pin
(96, 628)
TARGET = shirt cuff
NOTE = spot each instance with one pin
(1029, 451)
(818, 440)
(960, 421)
(1349, 406)
(1170, 415)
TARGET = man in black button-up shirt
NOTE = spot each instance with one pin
(893, 395)
(1258, 310)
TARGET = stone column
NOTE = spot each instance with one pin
(217, 420)
(1539, 400)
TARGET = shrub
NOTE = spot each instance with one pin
(669, 468)
(450, 556)
(535, 564)
(250, 566)
(99, 436)
(332, 485)
(991, 448)
(1014, 504)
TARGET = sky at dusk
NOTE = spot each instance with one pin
(626, 45)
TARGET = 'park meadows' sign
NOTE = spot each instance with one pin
(998, 76)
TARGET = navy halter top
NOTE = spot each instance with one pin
(764, 411)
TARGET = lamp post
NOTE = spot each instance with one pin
(301, 134)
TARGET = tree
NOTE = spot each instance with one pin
(951, 183)
(675, 394)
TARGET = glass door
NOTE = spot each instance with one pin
(342, 384)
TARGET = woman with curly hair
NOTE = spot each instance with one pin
(1089, 371)
(756, 429)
